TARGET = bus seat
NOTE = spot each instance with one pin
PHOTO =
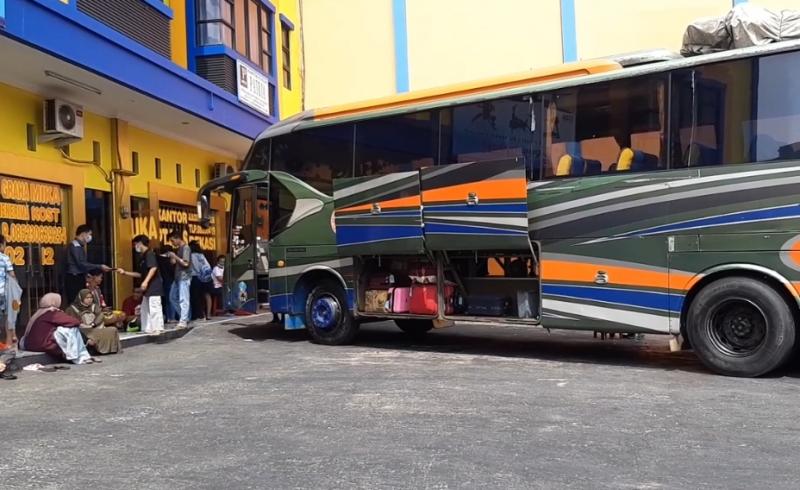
(644, 161)
(700, 155)
(577, 167)
(593, 167)
(631, 160)
(625, 160)
(564, 165)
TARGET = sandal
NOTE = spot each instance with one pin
(60, 367)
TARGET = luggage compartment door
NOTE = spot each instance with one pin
(476, 206)
(378, 215)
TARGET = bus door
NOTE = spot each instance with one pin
(476, 206)
(241, 272)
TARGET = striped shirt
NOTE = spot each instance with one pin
(5, 267)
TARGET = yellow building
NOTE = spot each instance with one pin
(381, 47)
(117, 124)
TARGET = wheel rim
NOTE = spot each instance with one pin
(737, 327)
(325, 312)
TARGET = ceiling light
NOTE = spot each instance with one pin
(72, 81)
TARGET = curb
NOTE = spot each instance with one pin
(25, 358)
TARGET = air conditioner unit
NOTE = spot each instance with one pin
(222, 169)
(63, 122)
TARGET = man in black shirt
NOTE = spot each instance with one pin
(78, 265)
(151, 314)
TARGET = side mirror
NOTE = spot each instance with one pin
(203, 211)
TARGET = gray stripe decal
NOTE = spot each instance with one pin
(538, 225)
(608, 196)
(646, 321)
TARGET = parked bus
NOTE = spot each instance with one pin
(660, 198)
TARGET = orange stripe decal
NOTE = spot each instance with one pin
(557, 270)
(487, 189)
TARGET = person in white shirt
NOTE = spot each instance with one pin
(218, 276)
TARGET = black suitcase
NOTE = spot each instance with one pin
(483, 305)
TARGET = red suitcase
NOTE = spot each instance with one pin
(423, 301)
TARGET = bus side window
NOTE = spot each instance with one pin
(316, 155)
(737, 112)
(606, 128)
(396, 144)
(493, 130)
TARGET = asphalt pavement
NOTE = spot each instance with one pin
(233, 406)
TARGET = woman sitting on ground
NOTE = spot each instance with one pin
(52, 331)
(103, 339)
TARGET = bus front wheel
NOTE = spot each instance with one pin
(739, 326)
(328, 318)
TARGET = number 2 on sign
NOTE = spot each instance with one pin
(48, 256)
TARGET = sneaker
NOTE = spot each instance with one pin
(7, 375)
(181, 325)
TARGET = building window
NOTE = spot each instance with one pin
(178, 173)
(215, 21)
(197, 177)
(135, 162)
(286, 32)
(253, 32)
(158, 168)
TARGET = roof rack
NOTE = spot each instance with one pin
(638, 58)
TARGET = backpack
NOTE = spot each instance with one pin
(200, 268)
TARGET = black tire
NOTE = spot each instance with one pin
(339, 328)
(415, 328)
(740, 326)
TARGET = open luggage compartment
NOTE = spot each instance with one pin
(447, 242)
(475, 286)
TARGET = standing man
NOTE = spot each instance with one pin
(179, 294)
(7, 350)
(78, 265)
(151, 314)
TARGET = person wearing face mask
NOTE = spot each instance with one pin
(77, 263)
(151, 314)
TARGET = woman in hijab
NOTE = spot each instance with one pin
(105, 340)
(52, 331)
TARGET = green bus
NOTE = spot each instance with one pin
(657, 196)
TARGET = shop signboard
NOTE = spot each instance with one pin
(173, 217)
(31, 213)
(252, 87)
(2, 14)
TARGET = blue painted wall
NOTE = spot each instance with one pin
(400, 45)
(62, 31)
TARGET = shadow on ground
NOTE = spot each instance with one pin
(577, 347)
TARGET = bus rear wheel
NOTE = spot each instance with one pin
(740, 326)
(415, 328)
(328, 318)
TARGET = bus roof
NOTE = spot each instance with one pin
(540, 80)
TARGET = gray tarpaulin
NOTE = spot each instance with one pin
(745, 25)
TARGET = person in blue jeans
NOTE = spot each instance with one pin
(179, 292)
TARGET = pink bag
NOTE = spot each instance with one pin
(400, 299)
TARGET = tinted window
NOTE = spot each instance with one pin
(317, 156)
(281, 207)
(493, 130)
(608, 127)
(737, 112)
(396, 144)
(258, 159)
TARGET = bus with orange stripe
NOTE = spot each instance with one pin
(656, 195)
